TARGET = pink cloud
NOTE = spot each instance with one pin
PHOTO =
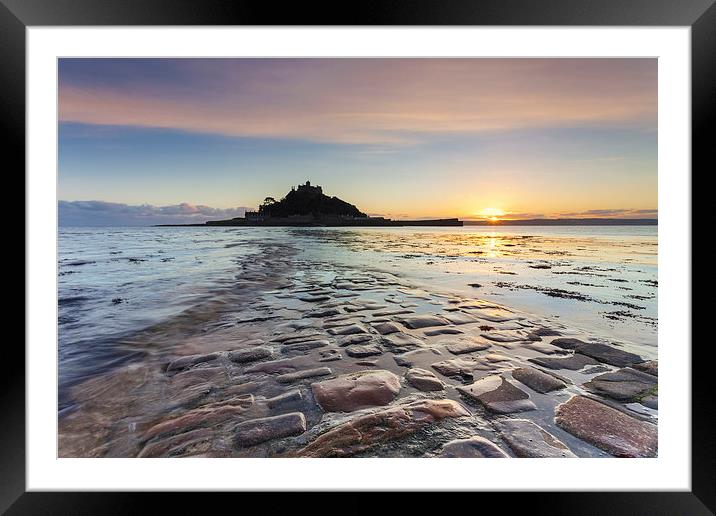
(374, 101)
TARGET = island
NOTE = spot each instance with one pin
(307, 205)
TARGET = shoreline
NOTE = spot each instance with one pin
(276, 356)
(349, 223)
(442, 223)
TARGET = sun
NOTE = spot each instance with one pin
(492, 214)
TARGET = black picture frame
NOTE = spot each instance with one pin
(700, 15)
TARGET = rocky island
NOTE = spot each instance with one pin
(307, 205)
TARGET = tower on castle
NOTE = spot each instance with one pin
(308, 188)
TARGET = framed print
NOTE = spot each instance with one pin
(284, 250)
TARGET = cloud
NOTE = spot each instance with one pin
(102, 213)
(623, 213)
(603, 213)
(363, 101)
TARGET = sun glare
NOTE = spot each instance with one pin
(492, 214)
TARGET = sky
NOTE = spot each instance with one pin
(146, 141)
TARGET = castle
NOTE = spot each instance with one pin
(307, 205)
(307, 188)
(265, 209)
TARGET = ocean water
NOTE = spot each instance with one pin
(113, 283)
(601, 279)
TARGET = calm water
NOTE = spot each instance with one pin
(115, 281)
(600, 279)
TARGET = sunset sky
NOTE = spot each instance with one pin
(143, 141)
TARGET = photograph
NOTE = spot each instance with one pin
(357, 257)
(322, 250)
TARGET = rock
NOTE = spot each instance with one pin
(607, 428)
(364, 307)
(498, 395)
(393, 312)
(596, 369)
(401, 341)
(285, 399)
(304, 346)
(351, 329)
(460, 368)
(546, 349)
(386, 328)
(280, 366)
(189, 395)
(461, 347)
(176, 444)
(545, 332)
(301, 375)
(322, 314)
(504, 337)
(189, 361)
(424, 380)
(527, 439)
(314, 299)
(568, 343)
(243, 356)
(623, 385)
(609, 354)
(358, 351)
(339, 322)
(460, 318)
(650, 367)
(574, 362)
(303, 335)
(256, 431)
(651, 401)
(203, 375)
(366, 431)
(496, 358)
(423, 321)
(475, 447)
(412, 357)
(442, 331)
(202, 416)
(329, 355)
(602, 352)
(356, 391)
(537, 380)
(354, 339)
(242, 388)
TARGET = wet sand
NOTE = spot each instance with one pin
(301, 358)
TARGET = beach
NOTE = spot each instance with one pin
(348, 342)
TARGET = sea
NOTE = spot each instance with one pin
(115, 282)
